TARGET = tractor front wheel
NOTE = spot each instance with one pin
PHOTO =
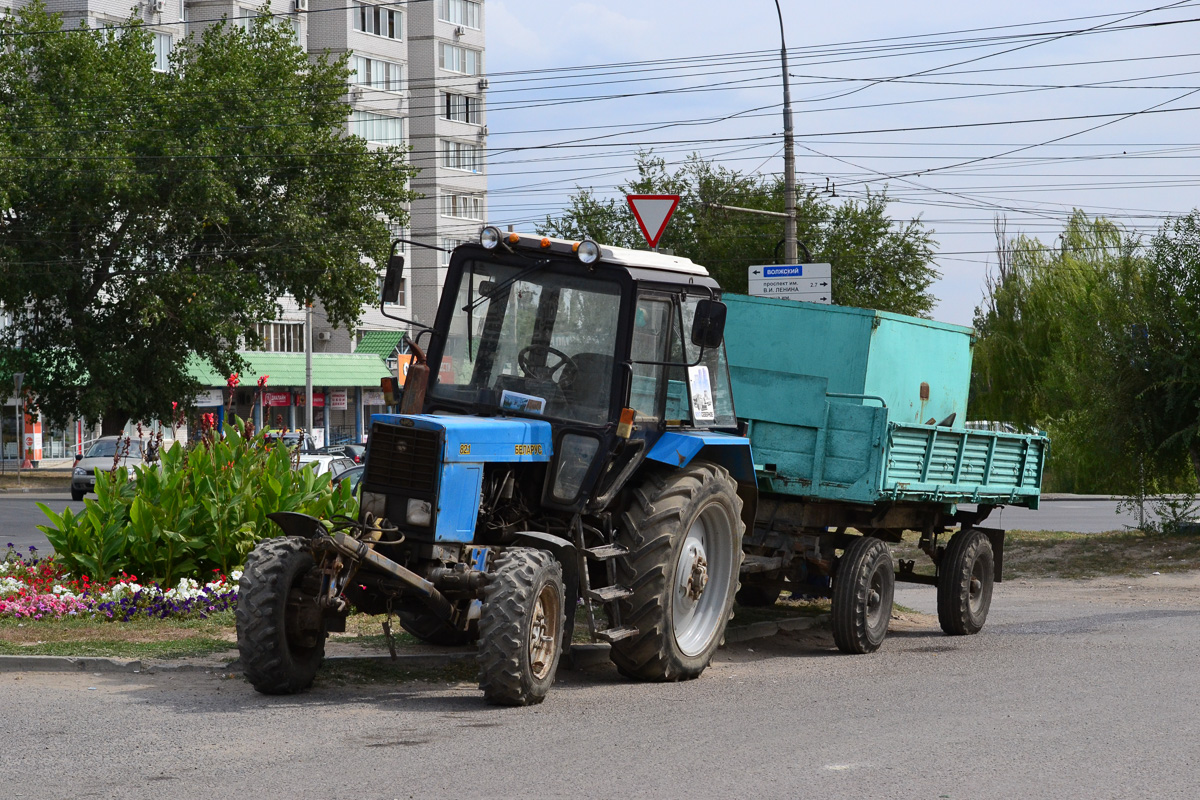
(280, 631)
(521, 627)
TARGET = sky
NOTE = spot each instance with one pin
(962, 112)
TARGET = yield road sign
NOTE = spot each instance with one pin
(652, 212)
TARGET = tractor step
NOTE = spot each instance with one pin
(606, 551)
(617, 634)
(606, 594)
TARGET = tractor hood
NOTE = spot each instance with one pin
(481, 439)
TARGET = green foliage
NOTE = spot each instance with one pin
(876, 263)
(148, 215)
(1090, 340)
(199, 509)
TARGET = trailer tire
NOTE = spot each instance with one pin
(278, 655)
(683, 529)
(965, 578)
(431, 630)
(863, 588)
(521, 627)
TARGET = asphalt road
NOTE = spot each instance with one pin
(1082, 691)
(20, 516)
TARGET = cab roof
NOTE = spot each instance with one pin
(620, 256)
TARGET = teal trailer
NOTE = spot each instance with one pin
(856, 420)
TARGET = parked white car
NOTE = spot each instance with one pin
(334, 465)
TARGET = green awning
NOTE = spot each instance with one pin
(286, 370)
(381, 343)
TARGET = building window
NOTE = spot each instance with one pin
(244, 18)
(401, 298)
(448, 246)
(377, 128)
(463, 206)
(376, 73)
(460, 12)
(460, 155)
(281, 337)
(161, 45)
(461, 108)
(458, 59)
(378, 21)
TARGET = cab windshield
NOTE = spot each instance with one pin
(532, 341)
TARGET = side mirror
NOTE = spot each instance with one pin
(393, 279)
(708, 326)
(78, 457)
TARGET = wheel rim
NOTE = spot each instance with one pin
(975, 586)
(877, 611)
(544, 631)
(702, 577)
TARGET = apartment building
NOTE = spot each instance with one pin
(417, 80)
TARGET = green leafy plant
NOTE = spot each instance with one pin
(196, 510)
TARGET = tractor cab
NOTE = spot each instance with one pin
(610, 347)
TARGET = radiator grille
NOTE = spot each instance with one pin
(403, 460)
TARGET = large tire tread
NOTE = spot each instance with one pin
(649, 528)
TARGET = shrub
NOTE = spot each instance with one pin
(200, 509)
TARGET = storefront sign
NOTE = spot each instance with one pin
(372, 397)
(210, 397)
(277, 399)
(318, 399)
(338, 399)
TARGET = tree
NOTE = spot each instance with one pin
(876, 264)
(146, 215)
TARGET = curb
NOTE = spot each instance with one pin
(582, 656)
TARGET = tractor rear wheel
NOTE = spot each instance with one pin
(683, 530)
(280, 630)
(965, 578)
(521, 627)
(863, 588)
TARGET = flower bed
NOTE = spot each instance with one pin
(41, 588)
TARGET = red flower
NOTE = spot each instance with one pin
(234, 380)
(262, 382)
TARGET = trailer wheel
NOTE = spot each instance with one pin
(863, 588)
(521, 627)
(428, 628)
(965, 576)
(684, 531)
(280, 634)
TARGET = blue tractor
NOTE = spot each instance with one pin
(568, 441)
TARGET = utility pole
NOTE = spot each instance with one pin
(789, 155)
(308, 387)
(18, 378)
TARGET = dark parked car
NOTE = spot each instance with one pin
(353, 475)
(354, 450)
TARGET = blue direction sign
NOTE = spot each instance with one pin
(810, 283)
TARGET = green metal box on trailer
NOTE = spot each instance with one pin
(921, 369)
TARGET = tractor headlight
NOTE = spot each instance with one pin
(575, 455)
(587, 251)
(419, 513)
(489, 237)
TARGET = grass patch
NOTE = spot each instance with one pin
(137, 639)
(1057, 554)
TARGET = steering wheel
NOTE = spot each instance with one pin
(545, 372)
